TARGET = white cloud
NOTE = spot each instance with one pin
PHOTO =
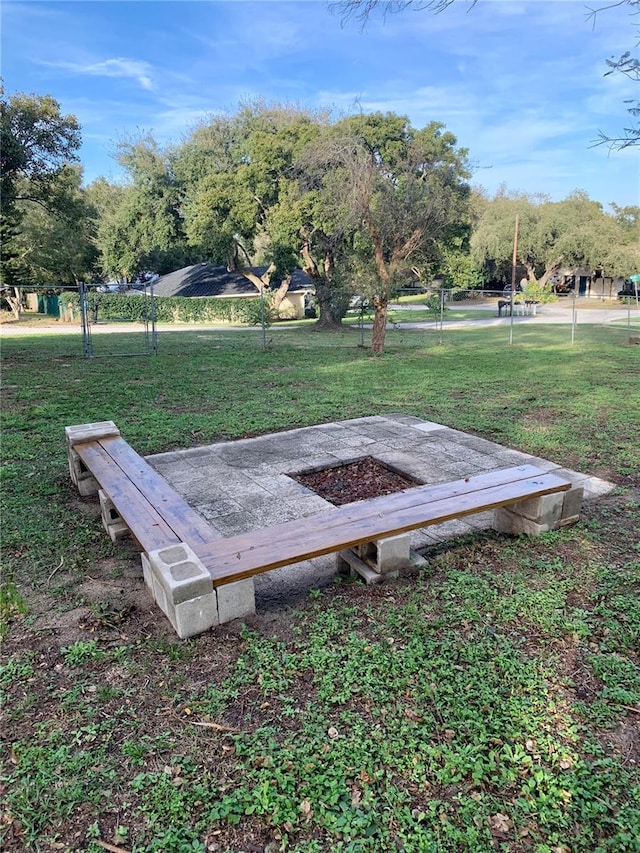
(133, 69)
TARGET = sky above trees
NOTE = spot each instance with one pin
(521, 84)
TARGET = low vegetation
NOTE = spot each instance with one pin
(492, 702)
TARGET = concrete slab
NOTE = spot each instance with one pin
(239, 486)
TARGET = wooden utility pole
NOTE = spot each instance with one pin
(513, 276)
(514, 258)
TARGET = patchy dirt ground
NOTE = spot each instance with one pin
(151, 693)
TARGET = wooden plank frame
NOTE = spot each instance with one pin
(343, 527)
(158, 517)
(155, 514)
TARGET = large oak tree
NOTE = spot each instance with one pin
(398, 194)
(554, 236)
(37, 145)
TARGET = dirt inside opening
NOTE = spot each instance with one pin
(355, 481)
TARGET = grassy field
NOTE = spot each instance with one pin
(490, 703)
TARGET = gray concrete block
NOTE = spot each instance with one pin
(147, 574)
(173, 578)
(571, 519)
(348, 563)
(572, 504)
(111, 519)
(179, 573)
(546, 509)
(90, 432)
(390, 554)
(195, 615)
(88, 485)
(236, 600)
(506, 521)
(82, 478)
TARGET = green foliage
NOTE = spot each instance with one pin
(12, 605)
(434, 305)
(41, 199)
(37, 142)
(57, 246)
(61, 775)
(175, 309)
(553, 236)
(81, 651)
(539, 292)
(142, 229)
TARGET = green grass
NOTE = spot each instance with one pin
(420, 314)
(490, 703)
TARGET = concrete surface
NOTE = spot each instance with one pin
(242, 485)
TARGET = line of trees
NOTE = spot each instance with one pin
(364, 204)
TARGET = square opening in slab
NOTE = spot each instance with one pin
(355, 481)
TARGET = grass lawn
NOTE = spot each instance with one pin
(492, 702)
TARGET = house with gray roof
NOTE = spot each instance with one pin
(204, 279)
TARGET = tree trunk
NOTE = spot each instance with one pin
(15, 301)
(281, 292)
(328, 319)
(379, 325)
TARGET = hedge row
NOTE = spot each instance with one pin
(172, 309)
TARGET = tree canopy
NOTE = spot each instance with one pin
(364, 204)
(554, 236)
(397, 194)
(36, 143)
(37, 147)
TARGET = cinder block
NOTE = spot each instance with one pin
(83, 478)
(180, 573)
(572, 505)
(348, 563)
(182, 589)
(147, 574)
(236, 600)
(88, 485)
(546, 509)
(194, 616)
(90, 432)
(111, 519)
(390, 554)
(80, 475)
(506, 521)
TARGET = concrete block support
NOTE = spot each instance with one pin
(83, 478)
(236, 600)
(111, 519)
(348, 563)
(572, 505)
(386, 555)
(538, 515)
(505, 521)
(90, 432)
(182, 588)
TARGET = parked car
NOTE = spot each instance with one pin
(562, 288)
(629, 289)
(506, 293)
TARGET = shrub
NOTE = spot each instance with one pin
(175, 309)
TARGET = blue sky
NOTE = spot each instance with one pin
(521, 84)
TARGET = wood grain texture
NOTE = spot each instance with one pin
(258, 551)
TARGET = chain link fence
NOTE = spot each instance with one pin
(443, 311)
